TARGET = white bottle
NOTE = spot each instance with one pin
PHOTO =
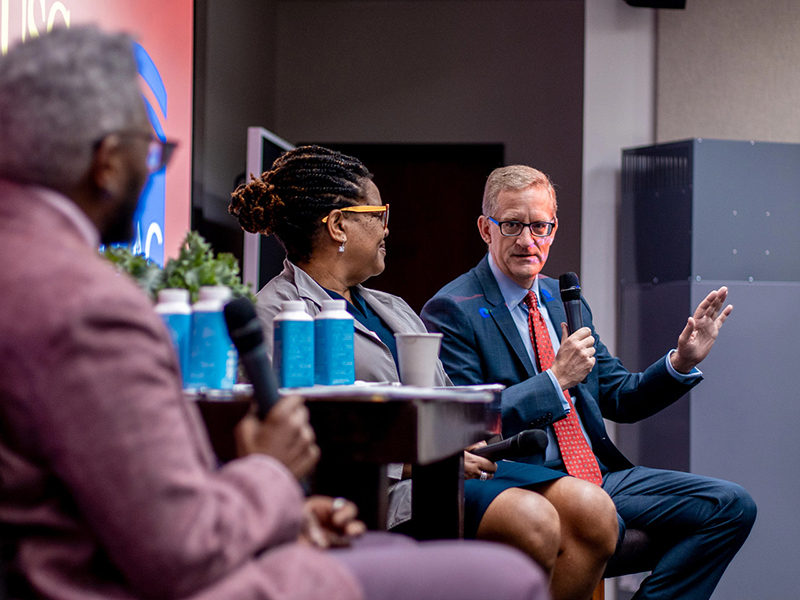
(213, 361)
(333, 345)
(294, 345)
(173, 306)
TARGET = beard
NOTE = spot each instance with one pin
(120, 229)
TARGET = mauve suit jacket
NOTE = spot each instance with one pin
(482, 344)
(108, 486)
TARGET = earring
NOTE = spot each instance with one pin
(341, 247)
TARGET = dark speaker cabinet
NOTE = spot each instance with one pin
(696, 215)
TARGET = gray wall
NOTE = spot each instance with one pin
(456, 71)
(235, 88)
(442, 71)
(619, 105)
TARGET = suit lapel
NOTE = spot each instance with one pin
(501, 314)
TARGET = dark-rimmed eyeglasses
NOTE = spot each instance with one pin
(159, 152)
(366, 208)
(514, 228)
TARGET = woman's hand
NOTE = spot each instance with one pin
(330, 522)
(475, 466)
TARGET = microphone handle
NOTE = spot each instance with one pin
(574, 318)
(495, 452)
(258, 367)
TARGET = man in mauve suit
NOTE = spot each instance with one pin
(484, 316)
(108, 486)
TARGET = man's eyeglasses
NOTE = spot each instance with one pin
(366, 208)
(514, 228)
(159, 152)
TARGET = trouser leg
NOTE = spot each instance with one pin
(704, 520)
(393, 567)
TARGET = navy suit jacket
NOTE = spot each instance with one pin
(482, 344)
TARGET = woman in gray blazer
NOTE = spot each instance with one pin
(328, 214)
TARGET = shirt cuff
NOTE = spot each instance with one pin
(559, 391)
(682, 377)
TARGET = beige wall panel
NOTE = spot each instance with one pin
(729, 69)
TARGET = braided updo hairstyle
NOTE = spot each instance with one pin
(291, 199)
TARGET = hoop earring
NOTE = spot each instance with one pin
(341, 247)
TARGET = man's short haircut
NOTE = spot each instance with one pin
(60, 94)
(514, 177)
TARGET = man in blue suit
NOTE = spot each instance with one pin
(496, 331)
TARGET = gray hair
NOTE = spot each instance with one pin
(514, 177)
(60, 94)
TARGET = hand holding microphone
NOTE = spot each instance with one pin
(575, 358)
(525, 443)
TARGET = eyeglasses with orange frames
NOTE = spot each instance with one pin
(366, 208)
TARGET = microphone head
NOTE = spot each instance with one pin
(532, 441)
(243, 324)
(569, 286)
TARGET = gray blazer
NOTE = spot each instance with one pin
(373, 359)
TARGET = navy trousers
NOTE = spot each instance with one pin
(703, 522)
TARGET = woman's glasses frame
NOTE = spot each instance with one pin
(366, 208)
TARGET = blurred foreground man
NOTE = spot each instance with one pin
(503, 322)
(108, 487)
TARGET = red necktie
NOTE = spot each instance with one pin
(575, 451)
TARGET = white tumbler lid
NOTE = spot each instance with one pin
(331, 305)
(168, 295)
(215, 292)
(293, 306)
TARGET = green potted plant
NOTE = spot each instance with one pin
(195, 266)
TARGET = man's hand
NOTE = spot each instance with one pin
(701, 331)
(285, 434)
(475, 466)
(330, 522)
(575, 357)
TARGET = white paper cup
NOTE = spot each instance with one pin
(417, 354)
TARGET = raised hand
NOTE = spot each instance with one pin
(700, 333)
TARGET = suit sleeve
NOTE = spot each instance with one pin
(473, 356)
(626, 397)
(113, 425)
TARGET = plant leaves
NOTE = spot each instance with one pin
(194, 267)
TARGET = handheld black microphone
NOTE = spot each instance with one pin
(526, 443)
(245, 331)
(571, 297)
